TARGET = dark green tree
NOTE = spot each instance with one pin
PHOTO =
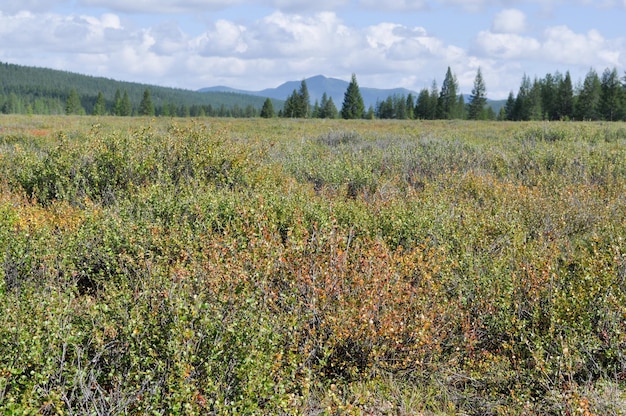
(353, 106)
(588, 103)
(523, 102)
(73, 105)
(448, 101)
(292, 106)
(99, 108)
(422, 106)
(328, 108)
(305, 100)
(478, 99)
(611, 93)
(565, 98)
(549, 87)
(509, 107)
(146, 108)
(384, 109)
(267, 111)
(434, 100)
(410, 106)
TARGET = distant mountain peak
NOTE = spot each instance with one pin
(317, 85)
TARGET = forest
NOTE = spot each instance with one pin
(28, 90)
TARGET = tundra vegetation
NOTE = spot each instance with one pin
(254, 266)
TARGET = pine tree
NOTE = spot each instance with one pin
(268, 109)
(410, 106)
(434, 100)
(478, 99)
(509, 108)
(127, 108)
(447, 103)
(328, 108)
(99, 108)
(588, 102)
(610, 95)
(73, 105)
(305, 100)
(146, 108)
(422, 106)
(565, 98)
(353, 106)
(292, 106)
(523, 100)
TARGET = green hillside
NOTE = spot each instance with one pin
(25, 89)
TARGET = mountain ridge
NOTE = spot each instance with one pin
(317, 85)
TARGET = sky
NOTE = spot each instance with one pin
(260, 44)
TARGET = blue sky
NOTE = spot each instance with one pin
(255, 45)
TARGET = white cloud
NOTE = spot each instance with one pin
(507, 45)
(161, 6)
(564, 46)
(509, 21)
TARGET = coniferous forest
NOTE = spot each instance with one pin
(29, 90)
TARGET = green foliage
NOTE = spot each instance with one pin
(393, 267)
(268, 109)
(146, 108)
(298, 103)
(478, 99)
(46, 91)
(99, 109)
(73, 105)
(353, 106)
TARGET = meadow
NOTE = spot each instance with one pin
(307, 267)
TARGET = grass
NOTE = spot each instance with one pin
(220, 266)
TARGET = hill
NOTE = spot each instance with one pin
(43, 90)
(317, 86)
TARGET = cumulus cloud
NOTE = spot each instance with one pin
(509, 21)
(558, 44)
(258, 51)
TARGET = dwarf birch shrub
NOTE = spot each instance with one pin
(301, 267)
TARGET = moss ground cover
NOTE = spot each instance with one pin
(219, 266)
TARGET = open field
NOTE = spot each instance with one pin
(220, 266)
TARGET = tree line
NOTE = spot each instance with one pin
(550, 98)
(27, 90)
(31, 90)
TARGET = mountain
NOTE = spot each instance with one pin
(45, 91)
(317, 86)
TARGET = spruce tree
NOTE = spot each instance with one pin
(268, 109)
(117, 103)
(448, 101)
(353, 106)
(304, 100)
(99, 108)
(127, 107)
(588, 103)
(73, 105)
(292, 106)
(146, 108)
(565, 98)
(410, 106)
(509, 108)
(422, 106)
(478, 99)
(327, 108)
(610, 95)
